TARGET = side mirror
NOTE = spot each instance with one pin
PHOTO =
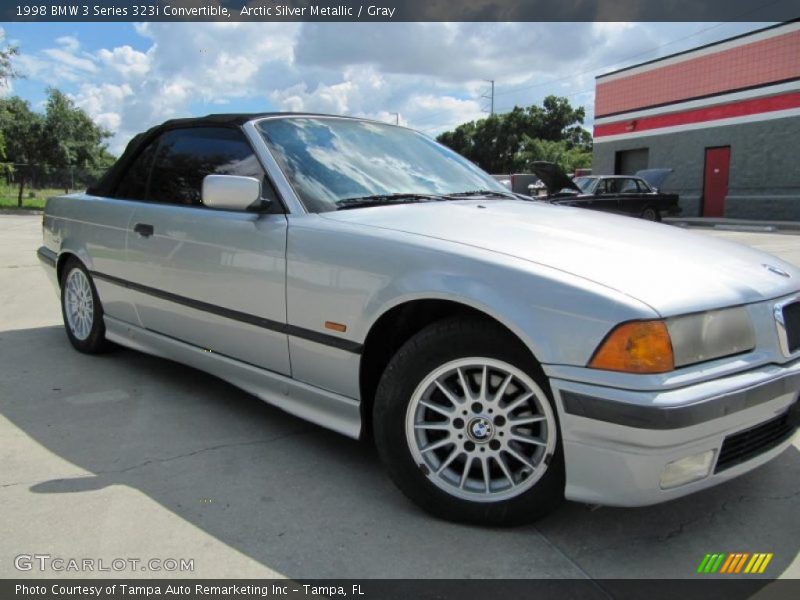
(231, 192)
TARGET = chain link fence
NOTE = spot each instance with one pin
(40, 176)
(30, 185)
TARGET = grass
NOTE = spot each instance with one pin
(8, 197)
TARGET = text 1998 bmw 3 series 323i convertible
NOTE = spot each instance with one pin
(503, 353)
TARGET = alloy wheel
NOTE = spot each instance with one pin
(79, 304)
(481, 429)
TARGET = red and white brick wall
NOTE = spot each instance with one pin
(740, 80)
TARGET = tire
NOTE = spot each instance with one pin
(425, 447)
(81, 310)
(651, 213)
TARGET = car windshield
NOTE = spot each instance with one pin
(585, 183)
(332, 162)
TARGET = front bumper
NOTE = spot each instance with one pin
(617, 443)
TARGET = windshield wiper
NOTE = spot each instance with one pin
(384, 199)
(481, 193)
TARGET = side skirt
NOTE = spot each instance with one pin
(327, 409)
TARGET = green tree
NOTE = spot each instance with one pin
(22, 130)
(498, 143)
(72, 139)
(61, 140)
(558, 121)
(567, 157)
(461, 139)
(7, 73)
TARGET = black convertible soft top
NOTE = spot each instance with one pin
(106, 185)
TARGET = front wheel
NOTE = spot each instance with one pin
(81, 309)
(465, 425)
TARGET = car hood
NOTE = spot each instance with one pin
(654, 177)
(672, 270)
(553, 177)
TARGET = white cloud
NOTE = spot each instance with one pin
(69, 43)
(333, 99)
(104, 103)
(67, 56)
(359, 92)
(449, 111)
(69, 60)
(125, 61)
(433, 74)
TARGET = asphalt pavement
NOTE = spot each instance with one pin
(127, 456)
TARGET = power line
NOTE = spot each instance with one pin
(490, 97)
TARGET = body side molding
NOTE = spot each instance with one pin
(301, 332)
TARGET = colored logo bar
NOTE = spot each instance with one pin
(735, 562)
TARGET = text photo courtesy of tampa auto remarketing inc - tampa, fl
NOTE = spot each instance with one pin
(408, 299)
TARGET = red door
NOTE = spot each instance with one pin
(715, 181)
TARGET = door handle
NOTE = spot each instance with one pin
(143, 229)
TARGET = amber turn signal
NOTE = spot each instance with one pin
(636, 347)
(340, 327)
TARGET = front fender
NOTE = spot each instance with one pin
(353, 275)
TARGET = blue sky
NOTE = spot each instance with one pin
(130, 76)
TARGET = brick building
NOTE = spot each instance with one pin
(725, 116)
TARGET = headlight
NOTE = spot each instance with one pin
(662, 345)
(709, 335)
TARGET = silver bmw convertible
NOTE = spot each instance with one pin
(504, 354)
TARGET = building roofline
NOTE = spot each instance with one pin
(696, 48)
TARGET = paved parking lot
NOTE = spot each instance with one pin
(129, 456)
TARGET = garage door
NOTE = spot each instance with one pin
(629, 162)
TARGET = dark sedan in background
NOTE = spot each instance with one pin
(635, 195)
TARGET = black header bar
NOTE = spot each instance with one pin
(399, 10)
(697, 588)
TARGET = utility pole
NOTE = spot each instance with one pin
(396, 118)
(490, 97)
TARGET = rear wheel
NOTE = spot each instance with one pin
(81, 309)
(466, 427)
(651, 214)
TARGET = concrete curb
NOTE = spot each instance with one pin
(736, 224)
(21, 211)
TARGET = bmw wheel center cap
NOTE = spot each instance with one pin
(480, 430)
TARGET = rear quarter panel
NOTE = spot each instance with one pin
(94, 230)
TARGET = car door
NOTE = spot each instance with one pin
(110, 269)
(606, 196)
(631, 197)
(212, 278)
